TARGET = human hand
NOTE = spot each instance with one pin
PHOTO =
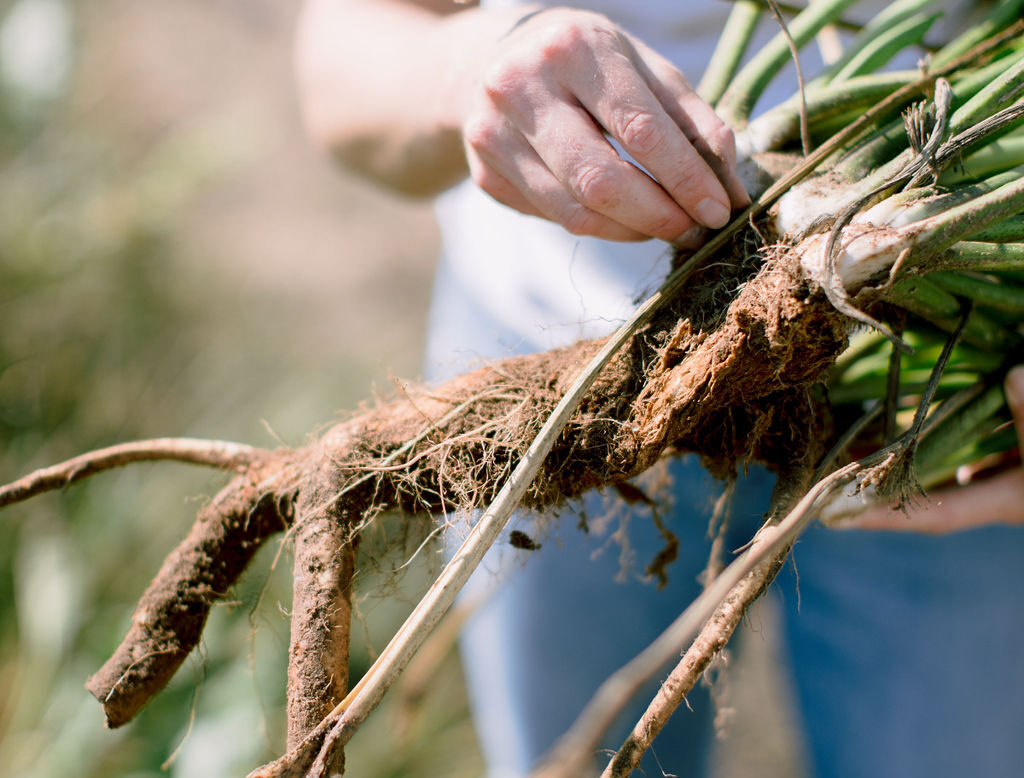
(535, 129)
(995, 500)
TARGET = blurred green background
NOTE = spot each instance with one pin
(176, 260)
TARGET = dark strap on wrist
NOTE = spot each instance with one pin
(522, 20)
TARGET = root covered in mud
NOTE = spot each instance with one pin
(730, 382)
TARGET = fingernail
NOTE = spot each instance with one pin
(693, 238)
(1015, 386)
(712, 213)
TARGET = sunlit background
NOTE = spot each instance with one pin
(176, 260)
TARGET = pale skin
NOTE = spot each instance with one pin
(525, 106)
(419, 94)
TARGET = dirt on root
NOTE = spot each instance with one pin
(169, 618)
(730, 382)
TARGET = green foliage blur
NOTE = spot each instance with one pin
(101, 341)
(107, 336)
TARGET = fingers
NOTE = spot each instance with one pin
(633, 115)
(535, 138)
(712, 138)
(505, 165)
(593, 174)
(995, 500)
(499, 187)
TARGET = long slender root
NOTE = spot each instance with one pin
(707, 645)
(220, 454)
(712, 640)
(321, 614)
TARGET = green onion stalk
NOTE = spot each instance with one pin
(917, 221)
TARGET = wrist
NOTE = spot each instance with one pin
(472, 37)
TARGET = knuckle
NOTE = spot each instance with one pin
(723, 141)
(503, 82)
(724, 137)
(595, 186)
(558, 44)
(669, 226)
(642, 134)
(481, 134)
(691, 178)
(580, 221)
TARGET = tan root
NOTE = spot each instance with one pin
(731, 384)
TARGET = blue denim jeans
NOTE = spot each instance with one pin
(904, 650)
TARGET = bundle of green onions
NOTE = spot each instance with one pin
(914, 227)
